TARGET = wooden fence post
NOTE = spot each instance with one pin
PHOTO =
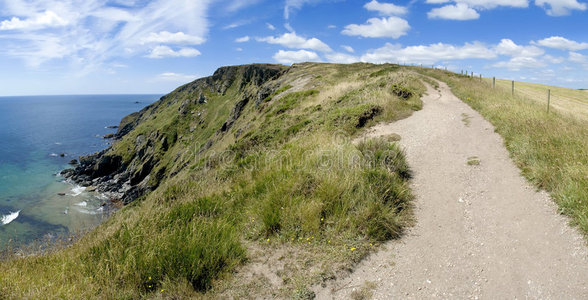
(480, 77)
(513, 87)
(548, 99)
(493, 82)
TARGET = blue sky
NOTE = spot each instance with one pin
(143, 46)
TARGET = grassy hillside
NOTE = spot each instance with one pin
(568, 101)
(249, 163)
(550, 149)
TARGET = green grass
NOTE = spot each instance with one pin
(290, 179)
(550, 149)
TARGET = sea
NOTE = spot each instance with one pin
(39, 136)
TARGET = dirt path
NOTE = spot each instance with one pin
(482, 231)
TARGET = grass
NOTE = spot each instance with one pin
(284, 176)
(568, 101)
(550, 149)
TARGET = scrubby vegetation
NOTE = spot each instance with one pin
(258, 165)
(551, 148)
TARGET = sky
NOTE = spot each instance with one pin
(55, 47)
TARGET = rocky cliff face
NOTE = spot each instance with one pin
(141, 165)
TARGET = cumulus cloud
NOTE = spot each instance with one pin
(165, 51)
(460, 11)
(485, 4)
(428, 54)
(341, 58)
(166, 37)
(391, 27)
(561, 43)
(38, 21)
(520, 62)
(290, 57)
(348, 48)
(579, 59)
(243, 39)
(510, 48)
(560, 7)
(292, 40)
(386, 9)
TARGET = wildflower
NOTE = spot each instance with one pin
(322, 219)
(149, 277)
(162, 290)
(352, 249)
(268, 240)
(308, 239)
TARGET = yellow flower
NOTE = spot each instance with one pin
(149, 277)
(268, 240)
(352, 249)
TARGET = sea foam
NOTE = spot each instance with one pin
(6, 219)
(77, 190)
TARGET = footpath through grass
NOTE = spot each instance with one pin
(285, 175)
(550, 149)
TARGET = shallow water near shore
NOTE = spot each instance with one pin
(39, 135)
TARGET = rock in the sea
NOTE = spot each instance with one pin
(73, 162)
(109, 136)
(112, 127)
(91, 189)
(62, 154)
(61, 194)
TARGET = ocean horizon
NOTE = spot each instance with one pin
(40, 135)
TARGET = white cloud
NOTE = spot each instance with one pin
(95, 32)
(270, 26)
(460, 11)
(488, 4)
(508, 47)
(427, 54)
(236, 5)
(386, 9)
(290, 57)
(332, 26)
(579, 59)
(165, 51)
(176, 77)
(243, 39)
(553, 60)
(292, 5)
(392, 27)
(341, 58)
(178, 38)
(520, 62)
(560, 7)
(558, 42)
(291, 40)
(348, 48)
(39, 21)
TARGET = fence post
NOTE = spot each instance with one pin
(472, 74)
(480, 77)
(513, 87)
(493, 82)
(548, 99)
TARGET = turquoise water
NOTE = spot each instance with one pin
(34, 131)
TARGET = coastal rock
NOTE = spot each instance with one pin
(73, 162)
(142, 170)
(109, 136)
